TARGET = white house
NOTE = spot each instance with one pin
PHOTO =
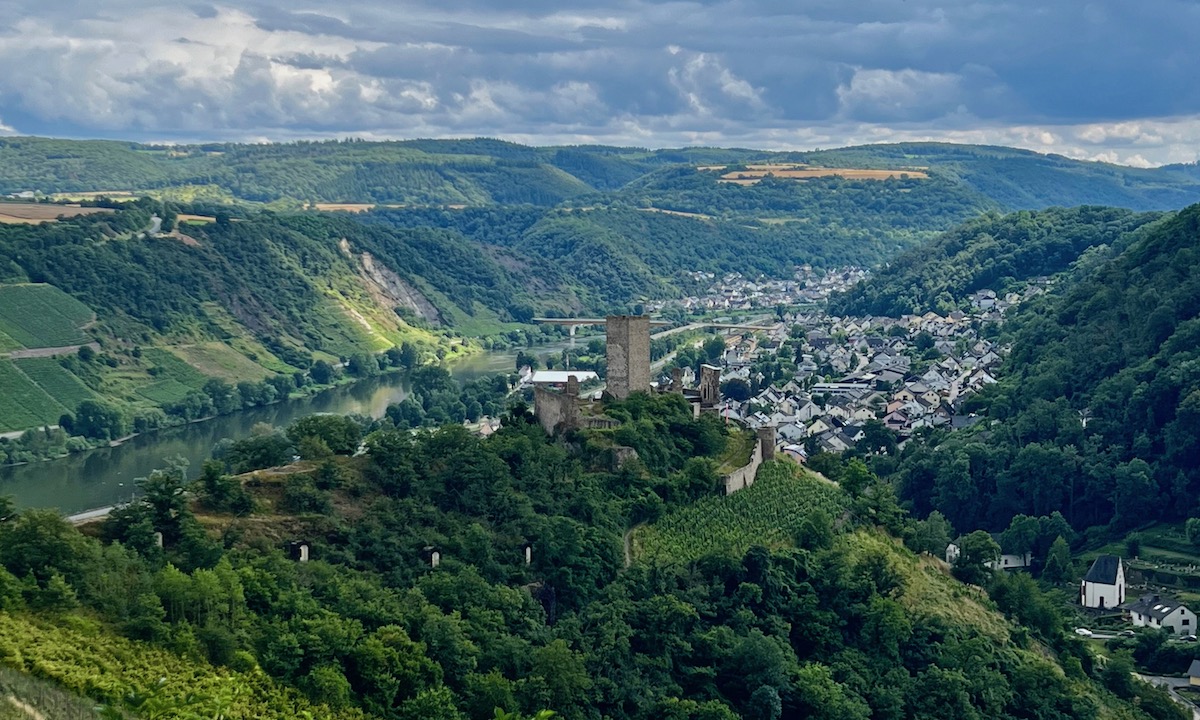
(1104, 585)
(1155, 611)
(1006, 561)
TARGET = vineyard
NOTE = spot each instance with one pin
(38, 316)
(169, 366)
(20, 694)
(25, 404)
(81, 657)
(56, 381)
(769, 512)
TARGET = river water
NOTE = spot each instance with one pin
(106, 476)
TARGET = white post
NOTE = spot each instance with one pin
(435, 559)
(304, 552)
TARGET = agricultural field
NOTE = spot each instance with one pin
(25, 404)
(186, 219)
(58, 382)
(217, 359)
(83, 657)
(170, 367)
(41, 316)
(164, 392)
(36, 213)
(24, 697)
(769, 513)
(753, 174)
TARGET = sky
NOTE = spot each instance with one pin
(1116, 81)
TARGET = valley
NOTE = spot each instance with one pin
(317, 366)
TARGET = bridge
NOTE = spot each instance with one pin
(573, 323)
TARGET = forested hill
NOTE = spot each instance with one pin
(1101, 386)
(995, 252)
(806, 607)
(491, 172)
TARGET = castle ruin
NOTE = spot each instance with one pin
(628, 354)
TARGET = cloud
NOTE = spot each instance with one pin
(1083, 78)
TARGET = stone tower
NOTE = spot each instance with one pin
(710, 386)
(628, 354)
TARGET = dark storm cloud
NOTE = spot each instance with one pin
(1113, 80)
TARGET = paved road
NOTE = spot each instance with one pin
(1171, 684)
(50, 351)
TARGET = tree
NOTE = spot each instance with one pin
(736, 389)
(322, 372)
(1020, 536)
(363, 365)
(931, 535)
(340, 433)
(975, 551)
(1058, 562)
(98, 420)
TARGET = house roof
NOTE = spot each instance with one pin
(1155, 606)
(1194, 669)
(1104, 570)
(560, 376)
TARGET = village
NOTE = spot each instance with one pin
(819, 379)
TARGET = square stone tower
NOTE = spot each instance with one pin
(628, 354)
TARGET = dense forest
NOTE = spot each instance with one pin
(995, 252)
(493, 172)
(1100, 386)
(531, 605)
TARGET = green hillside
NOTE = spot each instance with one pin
(996, 252)
(529, 606)
(1116, 346)
(492, 172)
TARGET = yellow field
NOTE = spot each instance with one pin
(799, 171)
(35, 213)
(117, 195)
(680, 213)
(184, 217)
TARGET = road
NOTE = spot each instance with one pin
(50, 351)
(1171, 684)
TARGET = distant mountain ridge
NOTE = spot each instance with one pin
(489, 172)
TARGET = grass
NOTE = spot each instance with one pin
(40, 316)
(7, 343)
(165, 391)
(25, 405)
(84, 657)
(768, 513)
(216, 359)
(738, 450)
(43, 698)
(171, 367)
(58, 382)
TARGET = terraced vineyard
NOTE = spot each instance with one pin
(83, 658)
(24, 404)
(769, 512)
(58, 382)
(39, 316)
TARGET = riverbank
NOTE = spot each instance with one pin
(104, 476)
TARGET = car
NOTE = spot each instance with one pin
(1083, 631)
(1127, 633)
(1188, 638)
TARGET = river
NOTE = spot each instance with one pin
(106, 476)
